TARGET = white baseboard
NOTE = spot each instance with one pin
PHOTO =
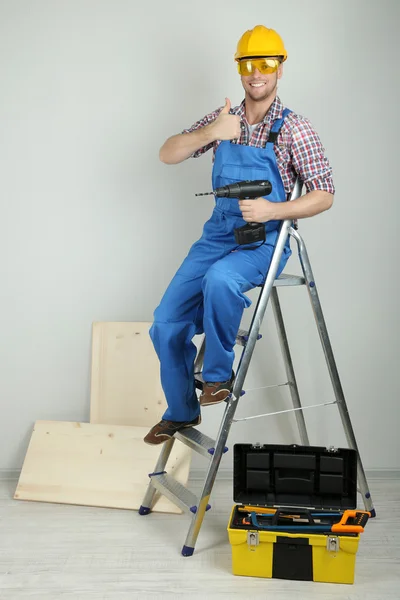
(223, 474)
(9, 474)
(199, 474)
(226, 474)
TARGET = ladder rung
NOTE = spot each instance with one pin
(242, 337)
(197, 441)
(289, 280)
(175, 491)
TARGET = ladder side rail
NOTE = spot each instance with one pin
(287, 359)
(262, 303)
(332, 368)
(239, 380)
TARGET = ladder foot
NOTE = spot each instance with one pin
(193, 509)
(212, 450)
(143, 510)
(373, 513)
(187, 551)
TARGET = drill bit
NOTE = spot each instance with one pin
(205, 194)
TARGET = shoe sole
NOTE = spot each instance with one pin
(170, 436)
(215, 401)
(155, 443)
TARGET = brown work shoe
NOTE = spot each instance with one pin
(214, 393)
(165, 430)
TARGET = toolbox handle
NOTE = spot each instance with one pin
(301, 512)
(310, 528)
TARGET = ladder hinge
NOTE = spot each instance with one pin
(332, 543)
(253, 538)
(257, 446)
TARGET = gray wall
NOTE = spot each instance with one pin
(93, 226)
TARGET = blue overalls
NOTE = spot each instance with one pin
(207, 294)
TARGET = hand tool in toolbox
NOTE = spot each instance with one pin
(349, 521)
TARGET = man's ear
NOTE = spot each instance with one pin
(280, 71)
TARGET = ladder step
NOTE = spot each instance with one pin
(243, 336)
(197, 441)
(176, 492)
(289, 280)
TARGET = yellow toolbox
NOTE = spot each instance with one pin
(295, 514)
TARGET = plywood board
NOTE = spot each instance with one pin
(125, 383)
(95, 465)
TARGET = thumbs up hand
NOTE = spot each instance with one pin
(227, 107)
(226, 126)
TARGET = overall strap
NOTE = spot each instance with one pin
(276, 127)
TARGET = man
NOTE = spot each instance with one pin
(258, 139)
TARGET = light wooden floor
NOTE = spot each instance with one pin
(50, 551)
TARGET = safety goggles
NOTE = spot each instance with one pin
(265, 66)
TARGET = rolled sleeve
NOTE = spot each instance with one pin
(203, 123)
(309, 159)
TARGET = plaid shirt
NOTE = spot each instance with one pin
(298, 148)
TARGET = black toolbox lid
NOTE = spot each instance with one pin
(281, 475)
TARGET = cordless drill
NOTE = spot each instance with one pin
(243, 190)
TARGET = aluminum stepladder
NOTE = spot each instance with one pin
(213, 450)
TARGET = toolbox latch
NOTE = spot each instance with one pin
(253, 539)
(332, 543)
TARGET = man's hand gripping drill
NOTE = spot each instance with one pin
(245, 190)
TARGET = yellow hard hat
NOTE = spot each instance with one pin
(260, 41)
